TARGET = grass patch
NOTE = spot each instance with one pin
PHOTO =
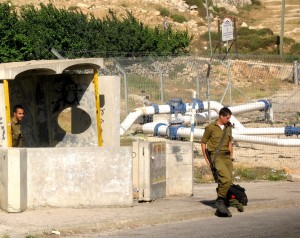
(241, 174)
(178, 18)
(295, 49)
(73, 8)
(164, 12)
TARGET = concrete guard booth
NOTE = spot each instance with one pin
(72, 154)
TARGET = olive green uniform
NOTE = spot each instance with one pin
(17, 138)
(223, 163)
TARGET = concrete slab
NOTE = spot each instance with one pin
(65, 177)
(8, 71)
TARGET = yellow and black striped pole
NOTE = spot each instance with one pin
(7, 113)
(98, 109)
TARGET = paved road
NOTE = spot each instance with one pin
(77, 221)
(280, 222)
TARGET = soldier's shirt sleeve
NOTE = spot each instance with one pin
(206, 134)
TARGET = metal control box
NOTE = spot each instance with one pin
(149, 182)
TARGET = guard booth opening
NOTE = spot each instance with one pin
(61, 99)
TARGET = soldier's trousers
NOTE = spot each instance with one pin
(224, 167)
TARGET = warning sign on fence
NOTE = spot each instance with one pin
(227, 30)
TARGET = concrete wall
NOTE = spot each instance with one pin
(109, 87)
(65, 177)
(3, 131)
(179, 170)
(13, 177)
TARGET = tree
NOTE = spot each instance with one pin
(33, 32)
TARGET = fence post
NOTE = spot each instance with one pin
(296, 71)
(119, 67)
(161, 87)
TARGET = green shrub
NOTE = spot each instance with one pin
(203, 174)
(256, 2)
(124, 5)
(213, 35)
(222, 11)
(258, 173)
(198, 3)
(275, 175)
(245, 174)
(164, 12)
(288, 40)
(71, 32)
(178, 18)
(244, 31)
(264, 32)
(295, 49)
(72, 8)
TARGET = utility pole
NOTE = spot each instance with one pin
(282, 27)
(209, 64)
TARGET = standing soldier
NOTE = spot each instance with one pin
(216, 146)
(17, 137)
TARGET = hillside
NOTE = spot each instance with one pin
(153, 13)
(270, 16)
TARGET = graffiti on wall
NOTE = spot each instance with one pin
(68, 95)
(41, 114)
(2, 131)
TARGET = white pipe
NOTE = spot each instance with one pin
(268, 141)
(261, 131)
(216, 106)
(198, 133)
(129, 120)
(133, 116)
(199, 117)
(149, 128)
(203, 117)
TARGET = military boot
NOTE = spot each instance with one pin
(222, 210)
(237, 204)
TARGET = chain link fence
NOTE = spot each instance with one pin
(231, 80)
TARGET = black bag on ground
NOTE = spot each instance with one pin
(237, 192)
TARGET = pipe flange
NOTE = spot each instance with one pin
(291, 130)
(156, 108)
(177, 106)
(172, 131)
(157, 127)
(199, 103)
(267, 103)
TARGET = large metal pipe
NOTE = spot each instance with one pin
(188, 107)
(179, 131)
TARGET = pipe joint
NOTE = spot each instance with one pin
(156, 108)
(199, 103)
(157, 127)
(172, 131)
(177, 106)
(291, 130)
(267, 103)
